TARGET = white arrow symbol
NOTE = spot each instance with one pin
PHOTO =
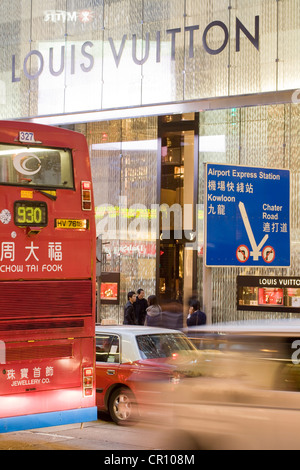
(256, 253)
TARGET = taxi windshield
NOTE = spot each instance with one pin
(162, 345)
(36, 167)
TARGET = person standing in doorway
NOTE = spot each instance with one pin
(140, 306)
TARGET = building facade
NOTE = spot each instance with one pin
(159, 88)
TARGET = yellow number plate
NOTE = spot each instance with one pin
(72, 224)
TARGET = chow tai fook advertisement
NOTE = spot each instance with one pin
(268, 293)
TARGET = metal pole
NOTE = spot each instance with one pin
(207, 293)
(98, 276)
(207, 271)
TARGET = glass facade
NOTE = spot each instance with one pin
(124, 160)
(61, 57)
(64, 56)
(267, 137)
(124, 167)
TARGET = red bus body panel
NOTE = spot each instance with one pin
(47, 289)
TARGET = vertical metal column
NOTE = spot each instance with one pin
(207, 272)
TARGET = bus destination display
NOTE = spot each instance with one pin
(30, 214)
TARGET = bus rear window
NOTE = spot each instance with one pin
(37, 167)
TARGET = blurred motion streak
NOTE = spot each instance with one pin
(137, 370)
(245, 390)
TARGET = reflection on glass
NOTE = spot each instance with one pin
(36, 167)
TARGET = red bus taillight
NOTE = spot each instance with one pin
(88, 381)
(86, 195)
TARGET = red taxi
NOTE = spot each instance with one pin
(132, 362)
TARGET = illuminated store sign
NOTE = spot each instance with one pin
(61, 16)
(57, 57)
(268, 293)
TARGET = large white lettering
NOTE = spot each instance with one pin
(52, 268)
(11, 268)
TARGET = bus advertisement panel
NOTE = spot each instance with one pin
(47, 277)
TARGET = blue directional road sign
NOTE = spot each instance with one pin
(247, 216)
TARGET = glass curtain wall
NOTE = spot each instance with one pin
(125, 174)
(258, 136)
(124, 168)
(63, 56)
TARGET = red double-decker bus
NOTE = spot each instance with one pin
(47, 278)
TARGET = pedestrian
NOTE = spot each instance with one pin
(195, 317)
(154, 312)
(140, 306)
(129, 313)
(172, 315)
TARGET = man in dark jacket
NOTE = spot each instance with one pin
(140, 306)
(129, 314)
(195, 317)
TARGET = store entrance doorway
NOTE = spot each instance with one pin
(177, 276)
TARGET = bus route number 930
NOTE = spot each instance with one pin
(30, 214)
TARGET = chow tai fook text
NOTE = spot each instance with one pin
(57, 58)
(29, 258)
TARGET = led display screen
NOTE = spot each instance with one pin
(30, 214)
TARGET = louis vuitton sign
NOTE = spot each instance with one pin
(82, 56)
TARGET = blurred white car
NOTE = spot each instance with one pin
(249, 394)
